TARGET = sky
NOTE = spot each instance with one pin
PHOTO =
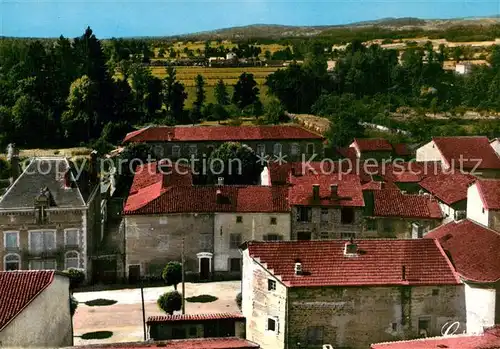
(113, 18)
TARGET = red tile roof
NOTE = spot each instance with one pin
(348, 189)
(473, 248)
(378, 263)
(490, 193)
(372, 144)
(401, 149)
(181, 199)
(469, 149)
(489, 340)
(18, 289)
(195, 317)
(348, 153)
(219, 133)
(448, 187)
(193, 343)
(393, 203)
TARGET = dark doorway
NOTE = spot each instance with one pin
(304, 235)
(134, 273)
(204, 268)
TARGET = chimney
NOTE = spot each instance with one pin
(315, 192)
(218, 194)
(350, 248)
(220, 181)
(13, 158)
(298, 268)
(403, 272)
(334, 191)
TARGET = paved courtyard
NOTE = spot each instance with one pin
(124, 318)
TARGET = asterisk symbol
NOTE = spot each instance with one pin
(280, 158)
(262, 159)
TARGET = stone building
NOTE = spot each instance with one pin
(306, 294)
(165, 215)
(185, 142)
(483, 203)
(50, 217)
(196, 326)
(450, 190)
(325, 206)
(35, 310)
(474, 155)
(394, 214)
(473, 248)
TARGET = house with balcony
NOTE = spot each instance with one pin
(50, 217)
(450, 190)
(347, 294)
(325, 206)
(196, 141)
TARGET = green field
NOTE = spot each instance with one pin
(186, 75)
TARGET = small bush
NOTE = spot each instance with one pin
(170, 302)
(238, 300)
(76, 277)
(100, 302)
(172, 274)
(204, 298)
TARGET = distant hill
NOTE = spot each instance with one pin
(274, 31)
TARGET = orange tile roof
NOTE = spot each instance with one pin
(18, 289)
(468, 151)
(448, 187)
(195, 317)
(490, 193)
(393, 203)
(380, 262)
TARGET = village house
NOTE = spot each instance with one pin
(35, 310)
(165, 214)
(473, 250)
(473, 155)
(391, 213)
(196, 326)
(188, 141)
(198, 343)
(489, 339)
(450, 190)
(50, 217)
(325, 206)
(483, 203)
(495, 143)
(311, 294)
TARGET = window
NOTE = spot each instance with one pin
(315, 335)
(294, 150)
(239, 219)
(261, 149)
(206, 241)
(435, 292)
(12, 261)
(310, 149)
(271, 285)
(387, 226)
(176, 151)
(234, 241)
(272, 324)
(71, 237)
(11, 239)
(273, 237)
(178, 333)
(347, 236)
(371, 224)
(325, 235)
(483, 209)
(346, 215)
(394, 326)
(41, 215)
(324, 215)
(42, 241)
(71, 260)
(273, 221)
(424, 325)
(304, 235)
(193, 150)
(163, 220)
(277, 149)
(193, 332)
(235, 264)
(48, 264)
(304, 214)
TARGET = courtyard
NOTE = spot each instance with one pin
(121, 320)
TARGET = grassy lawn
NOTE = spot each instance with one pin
(209, 90)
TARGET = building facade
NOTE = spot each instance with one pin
(483, 203)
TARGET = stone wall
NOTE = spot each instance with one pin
(400, 228)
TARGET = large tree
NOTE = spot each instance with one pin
(246, 91)
(221, 94)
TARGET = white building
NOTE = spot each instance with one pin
(35, 309)
(483, 203)
(496, 145)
